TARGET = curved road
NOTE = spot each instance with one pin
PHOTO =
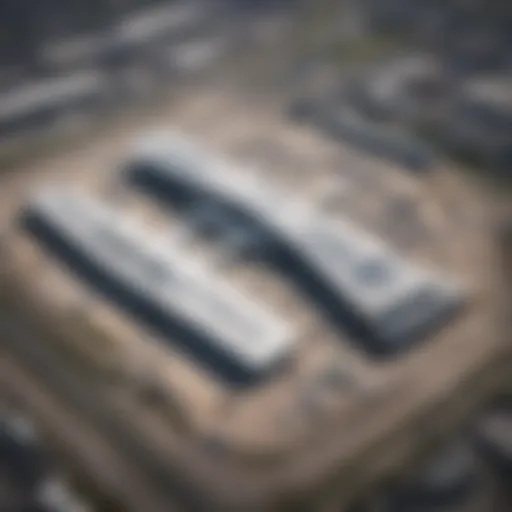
(105, 445)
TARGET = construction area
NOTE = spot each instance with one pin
(224, 290)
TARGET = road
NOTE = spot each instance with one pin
(105, 445)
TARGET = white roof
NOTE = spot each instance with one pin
(239, 326)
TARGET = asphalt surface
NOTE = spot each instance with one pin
(130, 469)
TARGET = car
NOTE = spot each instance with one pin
(493, 437)
(30, 470)
(406, 90)
(447, 480)
(22, 452)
